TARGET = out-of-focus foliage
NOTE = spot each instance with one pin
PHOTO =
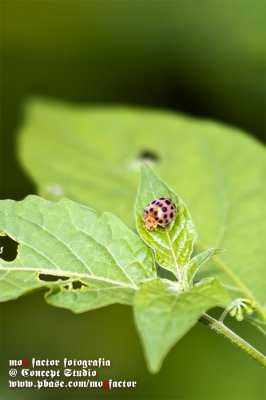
(202, 57)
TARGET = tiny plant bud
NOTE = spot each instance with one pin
(238, 308)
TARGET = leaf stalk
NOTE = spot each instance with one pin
(223, 330)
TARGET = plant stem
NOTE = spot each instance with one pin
(221, 329)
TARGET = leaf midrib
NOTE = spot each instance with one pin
(59, 272)
(69, 248)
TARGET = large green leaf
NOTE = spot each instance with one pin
(164, 315)
(172, 245)
(92, 155)
(95, 260)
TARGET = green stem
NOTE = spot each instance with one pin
(220, 328)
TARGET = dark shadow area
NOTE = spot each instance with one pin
(52, 278)
(74, 285)
(165, 274)
(8, 248)
(148, 156)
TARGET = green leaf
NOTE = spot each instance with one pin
(172, 245)
(94, 260)
(163, 315)
(218, 170)
(196, 263)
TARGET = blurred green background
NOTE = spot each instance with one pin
(206, 58)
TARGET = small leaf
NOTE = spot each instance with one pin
(196, 262)
(95, 259)
(163, 315)
(172, 245)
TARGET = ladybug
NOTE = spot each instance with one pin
(160, 212)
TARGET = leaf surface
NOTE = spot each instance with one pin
(163, 316)
(95, 259)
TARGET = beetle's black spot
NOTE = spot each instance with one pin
(161, 221)
(171, 215)
(167, 222)
(162, 198)
(153, 202)
(155, 213)
(156, 219)
(165, 216)
(151, 209)
(164, 209)
(172, 207)
(168, 201)
(158, 203)
(146, 211)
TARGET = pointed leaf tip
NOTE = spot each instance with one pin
(163, 315)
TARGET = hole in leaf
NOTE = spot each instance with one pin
(8, 248)
(78, 285)
(148, 156)
(52, 278)
(75, 285)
